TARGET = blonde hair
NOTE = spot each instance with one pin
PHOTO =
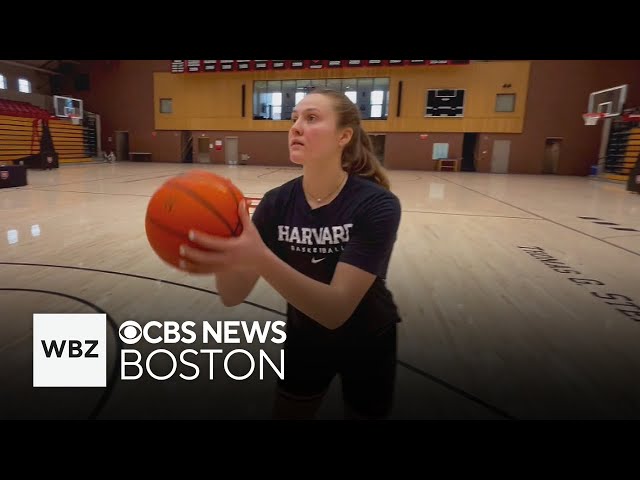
(357, 157)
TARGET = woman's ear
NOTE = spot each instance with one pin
(345, 137)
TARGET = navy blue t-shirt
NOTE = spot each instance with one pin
(358, 227)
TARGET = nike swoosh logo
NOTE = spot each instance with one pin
(317, 260)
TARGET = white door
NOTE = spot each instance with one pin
(231, 150)
(500, 156)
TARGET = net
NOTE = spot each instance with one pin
(591, 118)
(75, 120)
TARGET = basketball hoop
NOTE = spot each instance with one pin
(592, 118)
(74, 119)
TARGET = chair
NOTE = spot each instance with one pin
(452, 164)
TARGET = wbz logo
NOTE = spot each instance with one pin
(75, 348)
(69, 350)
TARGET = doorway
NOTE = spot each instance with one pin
(500, 156)
(551, 155)
(378, 141)
(469, 143)
(203, 150)
(231, 150)
(186, 147)
(122, 145)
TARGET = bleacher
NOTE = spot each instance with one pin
(21, 129)
(623, 147)
(22, 109)
(16, 138)
(68, 140)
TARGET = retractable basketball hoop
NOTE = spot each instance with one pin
(592, 118)
(605, 103)
(608, 105)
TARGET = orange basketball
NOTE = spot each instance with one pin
(197, 200)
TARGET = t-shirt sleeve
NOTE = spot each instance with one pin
(373, 235)
(264, 221)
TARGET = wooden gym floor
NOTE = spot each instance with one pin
(520, 295)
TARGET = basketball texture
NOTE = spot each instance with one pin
(197, 200)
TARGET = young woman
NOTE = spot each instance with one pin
(323, 241)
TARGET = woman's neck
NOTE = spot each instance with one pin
(322, 184)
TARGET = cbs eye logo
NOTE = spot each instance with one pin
(130, 332)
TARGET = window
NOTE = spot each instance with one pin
(3, 82)
(440, 150)
(276, 105)
(166, 105)
(267, 100)
(275, 99)
(350, 89)
(289, 98)
(377, 99)
(382, 85)
(24, 85)
(445, 103)
(505, 102)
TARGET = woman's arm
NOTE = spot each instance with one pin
(235, 286)
(330, 305)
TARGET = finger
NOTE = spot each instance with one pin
(210, 242)
(243, 213)
(197, 269)
(205, 257)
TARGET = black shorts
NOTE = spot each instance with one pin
(366, 365)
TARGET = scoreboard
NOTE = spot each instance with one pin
(204, 66)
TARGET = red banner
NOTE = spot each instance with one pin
(205, 66)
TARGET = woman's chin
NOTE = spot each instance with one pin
(296, 158)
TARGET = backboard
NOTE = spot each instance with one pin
(67, 106)
(609, 101)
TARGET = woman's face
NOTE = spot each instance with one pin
(313, 137)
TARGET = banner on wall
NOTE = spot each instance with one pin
(206, 66)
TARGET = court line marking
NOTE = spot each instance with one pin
(624, 236)
(149, 178)
(142, 277)
(459, 391)
(31, 186)
(470, 214)
(268, 173)
(542, 217)
(93, 193)
(406, 365)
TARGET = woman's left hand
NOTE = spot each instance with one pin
(221, 254)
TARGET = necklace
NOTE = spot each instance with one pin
(321, 199)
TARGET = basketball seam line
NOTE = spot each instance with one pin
(239, 224)
(203, 202)
(167, 229)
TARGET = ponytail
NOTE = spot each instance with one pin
(358, 159)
